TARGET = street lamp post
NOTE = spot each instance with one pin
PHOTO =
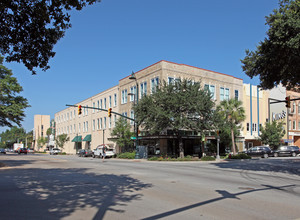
(136, 99)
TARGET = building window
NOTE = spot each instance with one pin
(226, 94)
(87, 110)
(101, 123)
(74, 129)
(221, 94)
(154, 84)
(109, 122)
(104, 123)
(94, 105)
(143, 91)
(115, 120)
(132, 90)
(290, 124)
(115, 99)
(105, 103)
(87, 126)
(98, 124)
(109, 101)
(298, 125)
(236, 94)
(248, 128)
(293, 108)
(294, 125)
(101, 104)
(79, 128)
(172, 80)
(98, 105)
(124, 96)
(93, 124)
(83, 129)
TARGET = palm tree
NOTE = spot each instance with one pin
(232, 113)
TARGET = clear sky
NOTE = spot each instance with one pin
(112, 38)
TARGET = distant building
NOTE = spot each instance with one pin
(293, 122)
(41, 125)
(255, 103)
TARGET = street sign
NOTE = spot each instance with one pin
(134, 138)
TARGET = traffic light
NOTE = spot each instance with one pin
(109, 112)
(79, 109)
(288, 101)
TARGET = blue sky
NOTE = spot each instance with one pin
(111, 39)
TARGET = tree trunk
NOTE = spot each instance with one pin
(181, 150)
(233, 144)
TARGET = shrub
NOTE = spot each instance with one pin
(126, 155)
(240, 156)
(207, 158)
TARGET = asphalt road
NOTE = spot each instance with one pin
(68, 187)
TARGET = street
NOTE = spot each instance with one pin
(38, 186)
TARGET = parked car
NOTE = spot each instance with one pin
(2, 151)
(30, 150)
(286, 151)
(85, 153)
(55, 151)
(109, 152)
(259, 151)
(22, 150)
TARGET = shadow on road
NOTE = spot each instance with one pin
(268, 165)
(224, 195)
(57, 193)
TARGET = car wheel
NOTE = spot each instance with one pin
(294, 154)
(266, 155)
(275, 154)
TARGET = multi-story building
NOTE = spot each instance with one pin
(255, 103)
(293, 131)
(41, 125)
(94, 127)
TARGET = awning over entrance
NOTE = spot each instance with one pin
(88, 138)
(77, 139)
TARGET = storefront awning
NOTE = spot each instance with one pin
(88, 138)
(77, 139)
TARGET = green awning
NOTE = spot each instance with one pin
(88, 138)
(77, 139)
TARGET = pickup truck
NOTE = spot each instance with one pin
(109, 152)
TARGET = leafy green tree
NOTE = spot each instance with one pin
(30, 29)
(41, 141)
(122, 133)
(11, 105)
(29, 137)
(272, 134)
(277, 58)
(13, 135)
(231, 113)
(60, 140)
(177, 106)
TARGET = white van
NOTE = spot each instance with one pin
(109, 152)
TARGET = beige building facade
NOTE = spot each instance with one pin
(41, 125)
(94, 127)
(255, 103)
